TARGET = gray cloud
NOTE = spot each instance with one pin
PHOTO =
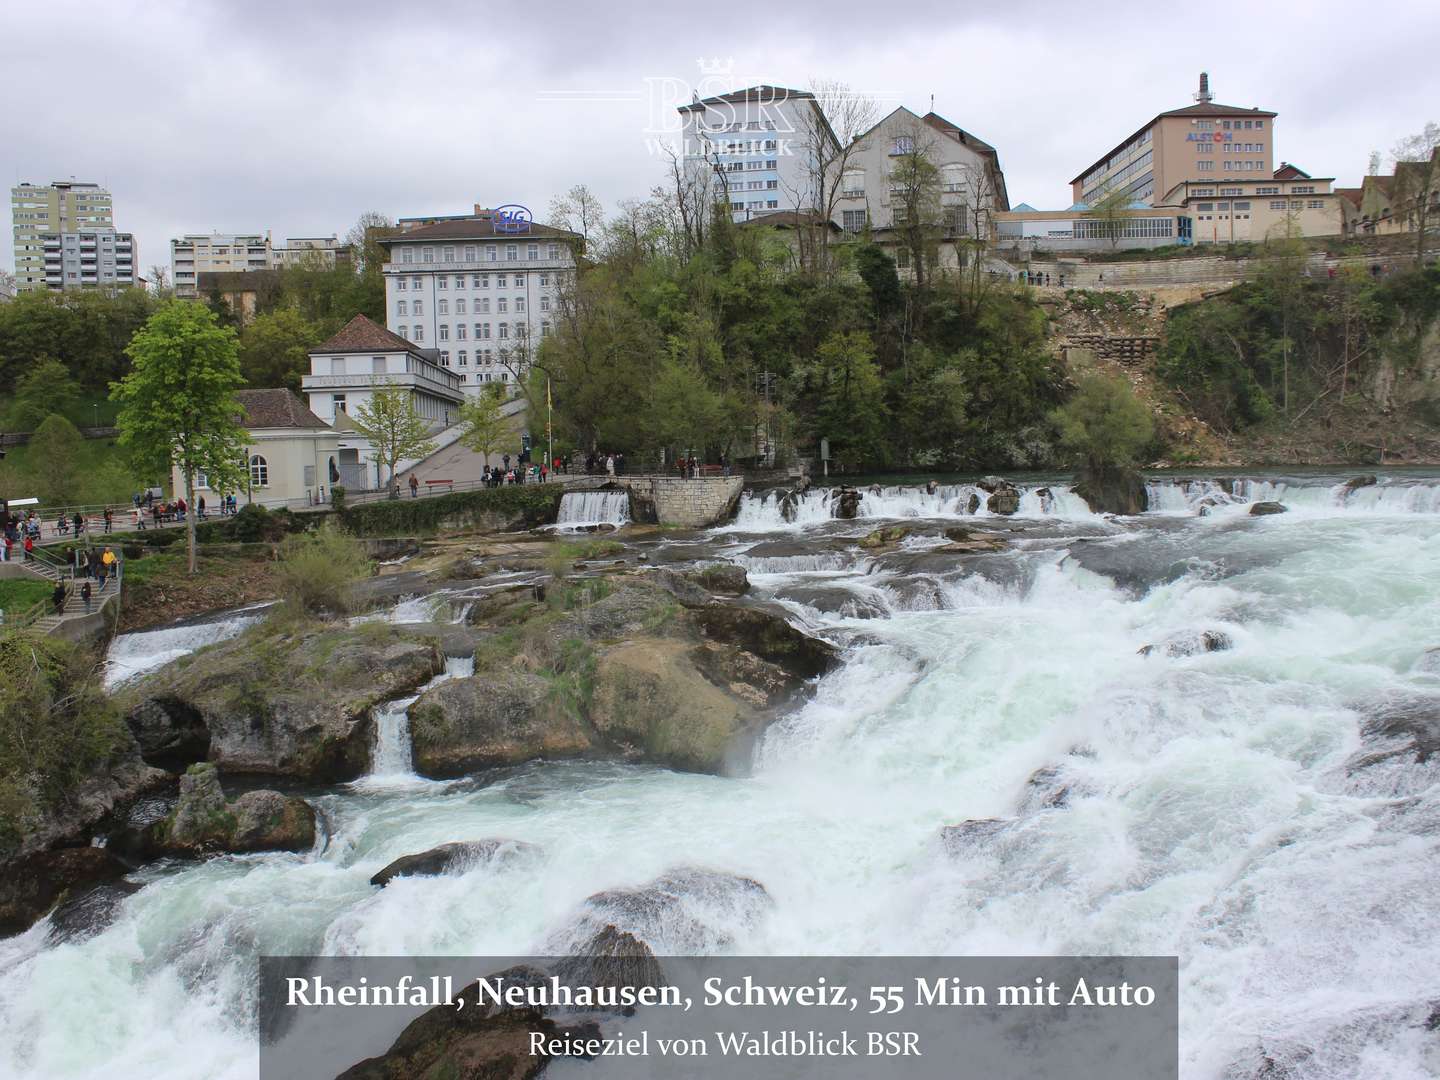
(296, 117)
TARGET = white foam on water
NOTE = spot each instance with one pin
(132, 655)
(579, 508)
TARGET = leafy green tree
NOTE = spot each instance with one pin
(484, 427)
(394, 428)
(850, 410)
(915, 200)
(44, 389)
(54, 456)
(178, 404)
(274, 349)
(1104, 425)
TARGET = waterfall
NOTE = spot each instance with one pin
(579, 508)
(392, 757)
(133, 655)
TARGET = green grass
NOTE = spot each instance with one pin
(19, 594)
(585, 549)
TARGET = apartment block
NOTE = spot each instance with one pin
(41, 211)
(194, 254)
(88, 258)
(318, 252)
(482, 290)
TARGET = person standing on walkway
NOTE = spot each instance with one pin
(58, 598)
(610, 466)
(109, 520)
(85, 595)
(79, 524)
(107, 567)
(414, 487)
(29, 548)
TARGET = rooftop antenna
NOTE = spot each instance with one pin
(932, 102)
(1203, 95)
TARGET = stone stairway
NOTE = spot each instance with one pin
(75, 605)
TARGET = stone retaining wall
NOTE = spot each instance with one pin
(694, 504)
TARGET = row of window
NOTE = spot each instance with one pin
(1227, 125)
(754, 147)
(477, 281)
(757, 204)
(492, 253)
(480, 307)
(416, 333)
(1140, 165)
(751, 166)
(483, 358)
(741, 125)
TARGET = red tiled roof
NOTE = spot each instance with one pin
(276, 409)
(362, 335)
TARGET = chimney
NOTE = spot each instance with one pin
(1204, 96)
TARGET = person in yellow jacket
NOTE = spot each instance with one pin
(107, 567)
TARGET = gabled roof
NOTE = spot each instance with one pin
(959, 134)
(277, 409)
(360, 335)
(475, 228)
(1286, 171)
(761, 94)
(1354, 194)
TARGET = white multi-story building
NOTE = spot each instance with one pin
(483, 291)
(195, 254)
(313, 251)
(755, 149)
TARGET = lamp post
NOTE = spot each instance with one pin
(95, 405)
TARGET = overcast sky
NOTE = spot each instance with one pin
(297, 116)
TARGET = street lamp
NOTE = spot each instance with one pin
(96, 406)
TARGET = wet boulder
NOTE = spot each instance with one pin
(964, 541)
(723, 578)
(885, 536)
(270, 821)
(1262, 509)
(204, 822)
(971, 835)
(1113, 491)
(845, 503)
(687, 910)
(615, 959)
(89, 912)
(1399, 727)
(769, 636)
(1190, 643)
(31, 886)
(1355, 483)
(454, 858)
(1004, 498)
(503, 716)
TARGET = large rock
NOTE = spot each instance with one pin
(1190, 643)
(203, 821)
(31, 886)
(1004, 499)
(685, 911)
(280, 699)
(971, 835)
(1399, 727)
(885, 536)
(613, 958)
(1113, 491)
(452, 858)
(845, 503)
(770, 637)
(1356, 482)
(500, 717)
(650, 702)
(88, 912)
(1261, 509)
(964, 541)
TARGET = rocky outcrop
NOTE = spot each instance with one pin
(1004, 496)
(965, 541)
(455, 858)
(845, 503)
(1399, 727)
(769, 636)
(885, 536)
(204, 822)
(685, 911)
(1260, 509)
(281, 699)
(724, 579)
(1113, 491)
(499, 717)
(1355, 483)
(970, 836)
(31, 886)
(88, 912)
(1190, 643)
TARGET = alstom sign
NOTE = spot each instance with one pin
(512, 218)
(1209, 136)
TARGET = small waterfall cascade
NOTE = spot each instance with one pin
(579, 508)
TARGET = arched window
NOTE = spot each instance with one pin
(259, 472)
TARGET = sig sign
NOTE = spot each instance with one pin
(512, 218)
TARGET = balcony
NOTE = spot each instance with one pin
(475, 266)
(442, 383)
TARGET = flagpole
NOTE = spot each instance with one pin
(549, 424)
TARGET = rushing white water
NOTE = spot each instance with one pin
(392, 760)
(1221, 806)
(593, 508)
(132, 655)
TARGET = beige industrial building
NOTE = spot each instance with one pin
(1204, 141)
(1290, 203)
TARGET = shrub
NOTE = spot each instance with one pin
(533, 504)
(1105, 426)
(337, 498)
(318, 570)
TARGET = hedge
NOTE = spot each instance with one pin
(516, 505)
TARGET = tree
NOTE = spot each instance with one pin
(1417, 182)
(364, 239)
(160, 279)
(44, 389)
(1105, 426)
(274, 349)
(1110, 212)
(850, 410)
(827, 143)
(178, 404)
(916, 213)
(54, 456)
(483, 426)
(394, 428)
(579, 211)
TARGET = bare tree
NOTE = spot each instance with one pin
(826, 140)
(159, 279)
(7, 284)
(579, 211)
(692, 193)
(1417, 181)
(970, 221)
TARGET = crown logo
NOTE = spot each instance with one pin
(716, 66)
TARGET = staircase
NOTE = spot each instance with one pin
(74, 605)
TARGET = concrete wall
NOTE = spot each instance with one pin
(694, 504)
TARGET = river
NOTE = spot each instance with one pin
(1201, 803)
